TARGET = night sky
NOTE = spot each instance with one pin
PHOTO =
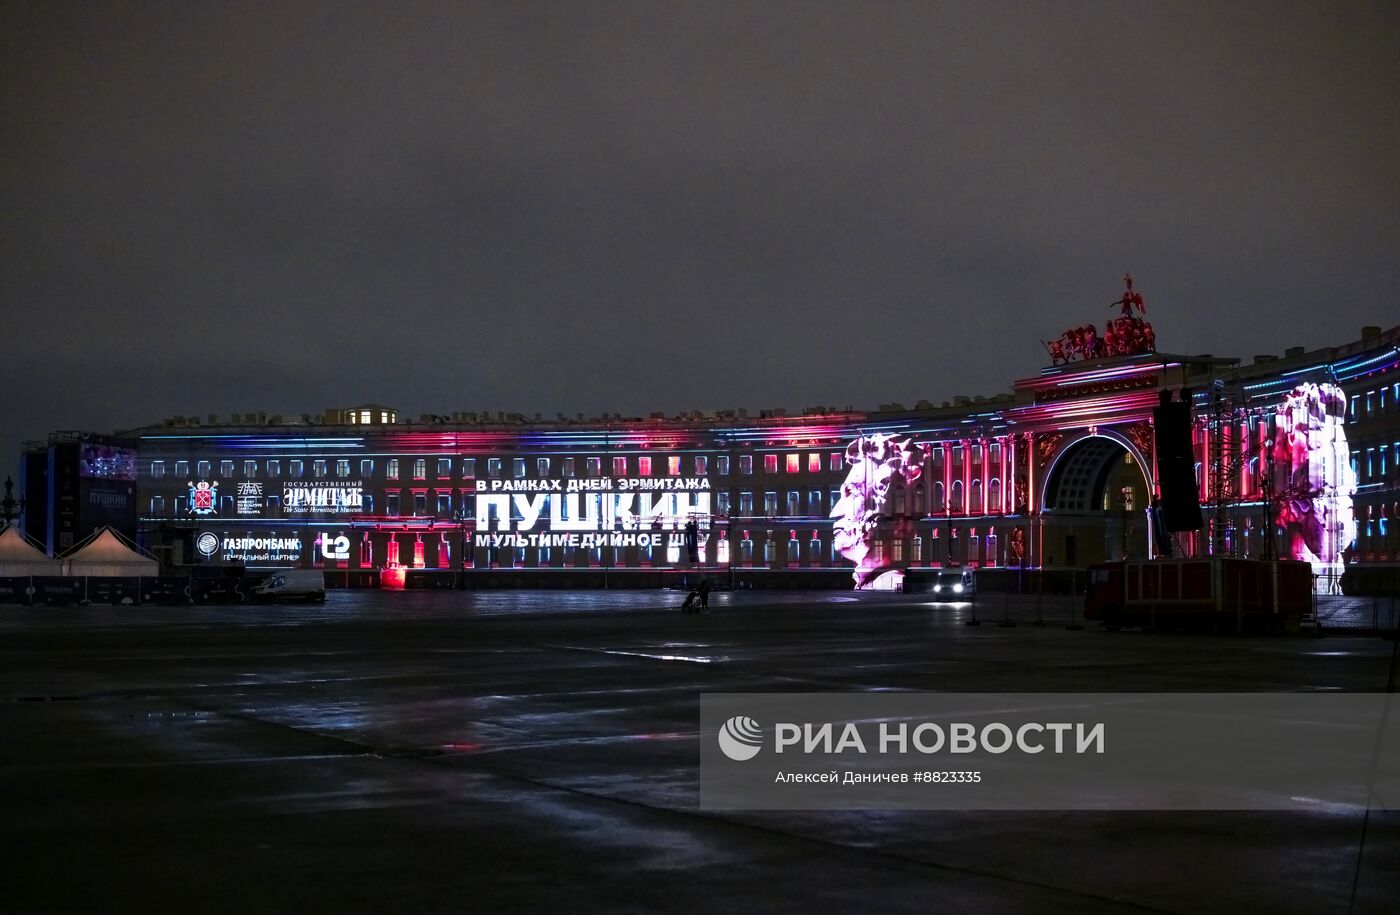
(660, 206)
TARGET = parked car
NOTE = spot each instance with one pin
(953, 584)
(292, 584)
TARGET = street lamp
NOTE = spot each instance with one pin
(1126, 500)
(10, 507)
(462, 525)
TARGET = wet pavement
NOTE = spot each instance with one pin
(440, 751)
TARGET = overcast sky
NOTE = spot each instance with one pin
(665, 206)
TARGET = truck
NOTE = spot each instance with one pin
(1217, 593)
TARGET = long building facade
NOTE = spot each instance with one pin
(1295, 456)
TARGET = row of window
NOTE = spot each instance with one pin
(751, 544)
(1375, 464)
(673, 465)
(1374, 403)
(817, 502)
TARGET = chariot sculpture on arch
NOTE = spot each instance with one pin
(1126, 335)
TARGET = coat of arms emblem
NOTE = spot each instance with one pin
(202, 497)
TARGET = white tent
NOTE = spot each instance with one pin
(107, 554)
(21, 556)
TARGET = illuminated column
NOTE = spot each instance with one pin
(1008, 486)
(947, 478)
(966, 446)
(985, 445)
(1035, 535)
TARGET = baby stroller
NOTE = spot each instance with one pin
(698, 600)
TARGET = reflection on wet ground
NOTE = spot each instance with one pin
(458, 751)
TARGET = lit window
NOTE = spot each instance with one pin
(157, 469)
(542, 466)
(620, 466)
(722, 464)
(182, 468)
(444, 504)
(746, 503)
(157, 505)
(444, 469)
(568, 467)
(367, 467)
(391, 504)
(342, 467)
(493, 468)
(835, 461)
(226, 468)
(420, 468)
(793, 463)
(794, 503)
(643, 466)
(770, 503)
(702, 465)
(420, 503)
(274, 468)
(770, 463)
(673, 466)
(295, 467)
(722, 503)
(746, 463)
(391, 469)
(517, 467)
(366, 416)
(318, 468)
(814, 463)
(595, 467)
(469, 468)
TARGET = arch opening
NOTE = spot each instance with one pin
(1095, 505)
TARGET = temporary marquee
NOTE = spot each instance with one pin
(107, 554)
(21, 556)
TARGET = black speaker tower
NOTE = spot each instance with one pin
(1176, 464)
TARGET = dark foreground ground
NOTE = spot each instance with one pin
(424, 752)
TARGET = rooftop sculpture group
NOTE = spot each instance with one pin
(1126, 335)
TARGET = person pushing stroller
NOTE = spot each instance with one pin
(698, 600)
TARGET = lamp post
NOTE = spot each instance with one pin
(1126, 501)
(463, 533)
(10, 507)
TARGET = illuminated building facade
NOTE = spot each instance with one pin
(1058, 473)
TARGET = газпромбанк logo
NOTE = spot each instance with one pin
(741, 738)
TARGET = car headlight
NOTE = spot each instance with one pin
(957, 589)
(937, 588)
